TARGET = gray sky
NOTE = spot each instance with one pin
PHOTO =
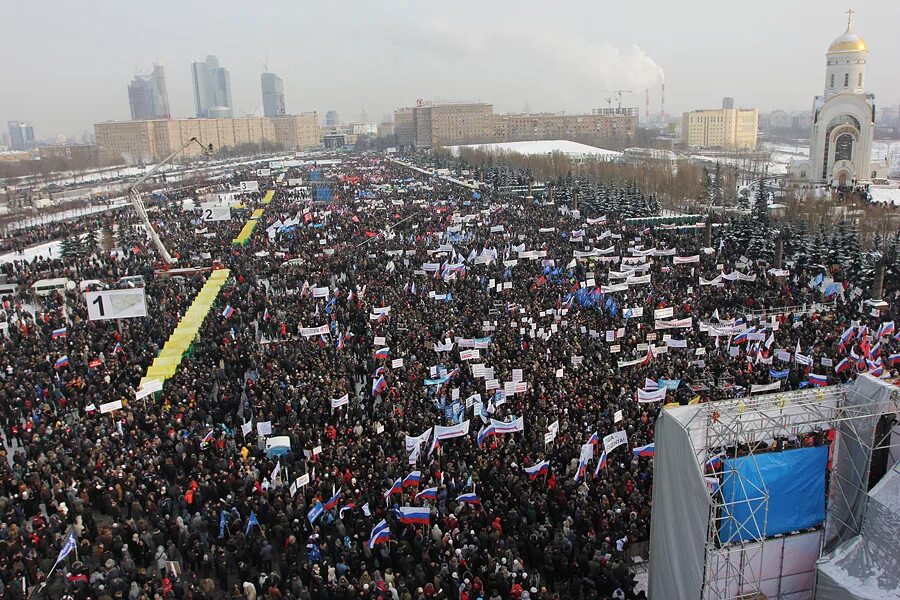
(68, 66)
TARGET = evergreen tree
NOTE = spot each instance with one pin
(761, 205)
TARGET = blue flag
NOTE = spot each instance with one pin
(779, 374)
(251, 522)
(67, 547)
(315, 512)
(222, 524)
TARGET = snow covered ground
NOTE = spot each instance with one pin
(541, 147)
(67, 214)
(46, 250)
(885, 195)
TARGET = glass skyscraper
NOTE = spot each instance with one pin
(212, 88)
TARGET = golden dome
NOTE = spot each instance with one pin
(848, 42)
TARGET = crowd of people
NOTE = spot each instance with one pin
(402, 391)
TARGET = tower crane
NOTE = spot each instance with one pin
(138, 203)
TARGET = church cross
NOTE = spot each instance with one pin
(850, 17)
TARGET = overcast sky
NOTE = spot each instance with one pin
(66, 65)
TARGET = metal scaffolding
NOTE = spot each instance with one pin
(734, 567)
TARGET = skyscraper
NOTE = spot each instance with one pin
(21, 135)
(148, 97)
(331, 119)
(212, 89)
(273, 95)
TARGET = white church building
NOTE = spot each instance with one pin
(843, 124)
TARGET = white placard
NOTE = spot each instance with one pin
(215, 213)
(110, 406)
(249, 186)
(116, 304)
(663, 313)
(264, 428)
(264, 172)
(380, 340)
(614, 440)
(148, 388)
(396, 363)
(617, 416)
(317, 450)
(303, 480)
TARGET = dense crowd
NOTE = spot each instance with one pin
(176, 495)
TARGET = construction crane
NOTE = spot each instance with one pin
(619, 94)
(138, 203)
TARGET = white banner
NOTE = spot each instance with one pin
(652, 396)
(249, 186)
(311, 331)
(320, 292)
(685, 260)
(675, 324)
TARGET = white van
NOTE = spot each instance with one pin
(132, 281)
(44, 287)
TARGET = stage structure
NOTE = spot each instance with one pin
(753, 522)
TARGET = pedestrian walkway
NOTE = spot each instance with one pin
(243, 238)
(179, 343)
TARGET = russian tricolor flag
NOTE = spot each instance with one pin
(470, 498)
(843, 365)
(742, 336)
(59, 333)
(542, 468)
(894, 359)
(413, 479)
(647, 450)
(714, 462)
(228, 312)
(383, 352)
(396, 488)
(208, 437)
(62, 361)
(845, 337)
(601, 464)
(333, 501)
(818, 380)
(650, 385)
(594, 439)
(485, 433)
(886, 329)
(414, 515)
(380, 533)
(875, 351)
(428, 494)
(379, 385)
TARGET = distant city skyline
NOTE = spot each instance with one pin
(567, 59)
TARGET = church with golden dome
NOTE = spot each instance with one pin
(843, 123)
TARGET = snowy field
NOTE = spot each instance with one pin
(67, 214)
(541, 147)
(885, 195)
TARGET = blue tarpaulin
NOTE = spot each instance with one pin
(795, 483)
